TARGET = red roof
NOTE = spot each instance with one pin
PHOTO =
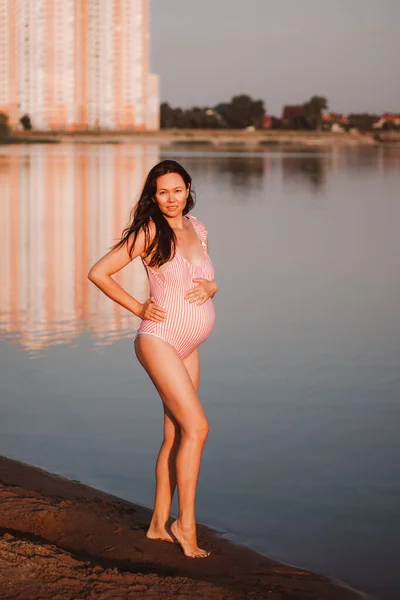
(292, 111)
(390, 116)
(332, 116)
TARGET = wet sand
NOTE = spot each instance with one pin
(62, 539)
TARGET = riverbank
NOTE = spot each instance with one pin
(62, 539)
(220, 139)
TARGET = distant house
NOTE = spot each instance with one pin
(387, 121)
(271, 122)
(267, 123)
(335, 122)
(333, 117)
(336, 128)
(292, 111)
(293, 116)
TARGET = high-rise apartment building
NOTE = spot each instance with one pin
(77, 64)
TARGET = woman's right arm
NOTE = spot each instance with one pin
(112, 262)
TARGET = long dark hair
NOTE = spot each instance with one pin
(164, 242)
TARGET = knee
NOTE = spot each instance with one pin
(198, 430)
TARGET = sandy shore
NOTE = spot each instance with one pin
(216, 139)
(62, 539)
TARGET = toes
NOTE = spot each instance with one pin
(200, 554)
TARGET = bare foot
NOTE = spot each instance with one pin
(188, 542)
(158, 533)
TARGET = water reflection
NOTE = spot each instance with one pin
(243, 172)
(311, 167)
(238, 169)
(61, 209)
(383, 159)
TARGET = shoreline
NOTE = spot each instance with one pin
(212, 139)
(60, 538)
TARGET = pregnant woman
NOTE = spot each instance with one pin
(176, 319)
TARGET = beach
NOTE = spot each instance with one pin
(62, 539)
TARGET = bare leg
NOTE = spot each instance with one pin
(173, 382)
(166, 461)
(165, 478)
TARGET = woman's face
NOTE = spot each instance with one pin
(171, 194)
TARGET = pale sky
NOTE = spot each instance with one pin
(280, 51)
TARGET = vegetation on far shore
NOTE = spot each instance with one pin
(242, 114)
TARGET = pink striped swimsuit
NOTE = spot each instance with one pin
(187, 324)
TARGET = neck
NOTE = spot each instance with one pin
(176, 222)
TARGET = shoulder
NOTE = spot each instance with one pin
(198, 224)
(143, 238)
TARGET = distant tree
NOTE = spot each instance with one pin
(180, 118)
(26, 122)
(313, 111)
(212, 120)
(222, 110)
(201, 118)
(192, 118)
(195, 117)
(241, 112)
(166, 116)
(5, 129)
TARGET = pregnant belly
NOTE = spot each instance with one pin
(185, 327)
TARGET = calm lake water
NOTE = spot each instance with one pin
(300, 378)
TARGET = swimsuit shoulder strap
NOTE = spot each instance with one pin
(201, 230)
